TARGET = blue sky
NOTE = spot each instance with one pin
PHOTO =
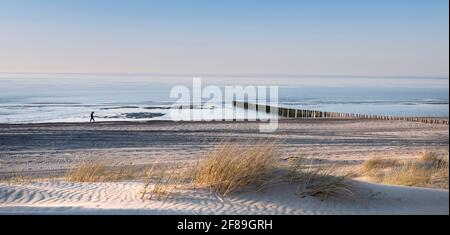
(321, 37)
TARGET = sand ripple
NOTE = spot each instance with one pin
(60, 197)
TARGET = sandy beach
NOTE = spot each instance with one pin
(42, 153)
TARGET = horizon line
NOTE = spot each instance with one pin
(226, 75)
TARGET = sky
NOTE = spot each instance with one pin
(253, 37)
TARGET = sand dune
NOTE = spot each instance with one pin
(47, 150)
(60, 197)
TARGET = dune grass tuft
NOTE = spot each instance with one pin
(227, 168)
(430, 159)
(101, 171)
(410, 174)
(379, 163)
(428, 170)
(375, 166)
(320, 181)
(231, 167)
(17, 179)
(163, 179)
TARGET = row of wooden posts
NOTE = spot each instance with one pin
(303, 113)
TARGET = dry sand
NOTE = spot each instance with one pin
(124, 198)
(47, 150)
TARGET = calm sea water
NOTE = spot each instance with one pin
(62, 98)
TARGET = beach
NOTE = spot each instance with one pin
(42, 154)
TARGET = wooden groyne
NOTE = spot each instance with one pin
(304, 113)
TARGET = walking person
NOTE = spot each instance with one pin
(92, 117)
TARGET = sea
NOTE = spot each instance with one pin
(48, 98)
